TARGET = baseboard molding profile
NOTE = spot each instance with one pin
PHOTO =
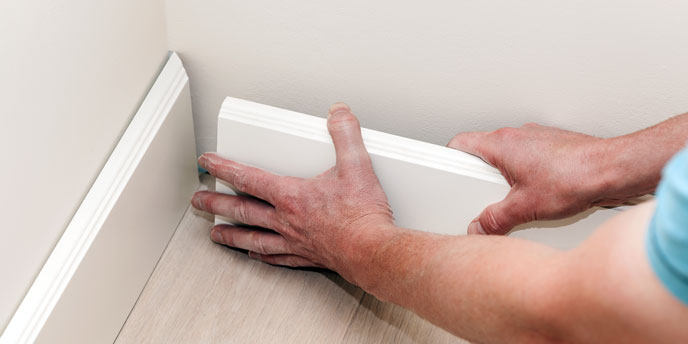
(91, 280)
(430, 187)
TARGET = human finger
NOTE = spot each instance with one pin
(243, 209)
(251, 180)
(472, 143)
(290, 260)
(345, 131)
(262, 242)
(499, 218)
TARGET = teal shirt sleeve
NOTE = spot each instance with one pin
(667, 238)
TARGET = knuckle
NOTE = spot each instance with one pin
(240, 180)
(241, 210)
(207, 202)
(259, 243)
(343, 120)
(210, 165)
(290, 199)
(504, 133)
(491, 223)
(284, 189)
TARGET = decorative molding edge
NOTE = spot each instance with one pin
(430, 187)
(165, 114)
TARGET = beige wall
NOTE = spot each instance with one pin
(72, 74)
(429, 69)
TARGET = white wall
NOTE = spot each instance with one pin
(429, 69)
(72, 73)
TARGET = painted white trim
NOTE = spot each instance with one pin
(377, 143)
(430, 187)
(106, 238)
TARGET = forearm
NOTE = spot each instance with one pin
(505, 290)
(631, 164)
(480, 288)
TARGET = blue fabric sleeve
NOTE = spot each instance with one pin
(667, 239)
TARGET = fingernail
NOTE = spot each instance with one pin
(338, 108)
(475, 228)
(216, 236)
(208, 158)
(253, 255)
(196, 201)
(338, 112)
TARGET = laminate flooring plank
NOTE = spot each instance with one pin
(201, 292)
(382, 322)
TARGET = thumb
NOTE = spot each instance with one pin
(472, 143)
(499, 218)
(346, 136)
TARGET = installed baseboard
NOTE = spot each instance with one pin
(91, 281)
(430, 187)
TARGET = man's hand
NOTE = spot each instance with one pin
(553, 174)
(556, 173)
(312, 221)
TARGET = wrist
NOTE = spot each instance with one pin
(618, 173)
(605, 168)
(357, 261)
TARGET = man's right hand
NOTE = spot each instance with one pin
(553, 174)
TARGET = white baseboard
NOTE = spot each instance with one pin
(91, 281)
(430, 187)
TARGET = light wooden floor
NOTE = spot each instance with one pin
(201, 292)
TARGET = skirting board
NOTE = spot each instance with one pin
(93, 277)
(430, 187)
